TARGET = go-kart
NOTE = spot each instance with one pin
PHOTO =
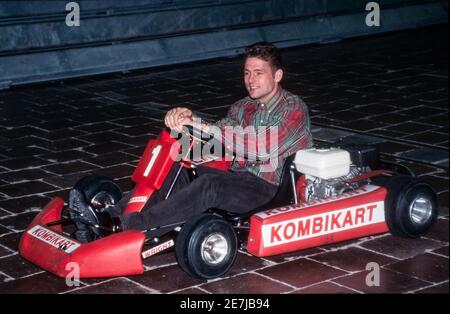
(326, 195)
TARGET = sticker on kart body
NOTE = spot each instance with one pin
(54, 239)
(322, 224)
(156, 249)
(282, 210)
(138, 199)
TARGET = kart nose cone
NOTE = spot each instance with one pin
(116, 255)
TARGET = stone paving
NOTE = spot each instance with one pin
(389, 90)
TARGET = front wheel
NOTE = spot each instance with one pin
(411, 206)
(98, 193)
(206, 246)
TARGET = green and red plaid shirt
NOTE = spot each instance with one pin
(284, 112)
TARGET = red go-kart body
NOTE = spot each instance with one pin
(362, 211)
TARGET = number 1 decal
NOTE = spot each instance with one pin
(155, 153)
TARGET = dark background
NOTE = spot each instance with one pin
(114, 35)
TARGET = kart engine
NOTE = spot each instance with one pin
(327, 170)
(317, 188)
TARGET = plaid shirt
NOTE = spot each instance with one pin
(286, 114)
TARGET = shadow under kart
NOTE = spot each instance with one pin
(325, 196)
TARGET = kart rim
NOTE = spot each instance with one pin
(102, 199)
(214, 249)
(420, 209)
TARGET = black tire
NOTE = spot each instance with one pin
(411, 206)
(99, 191)
(191, 246)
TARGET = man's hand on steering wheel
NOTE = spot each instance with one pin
(177, 117)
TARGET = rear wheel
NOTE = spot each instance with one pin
(206, 246)
(411, 206)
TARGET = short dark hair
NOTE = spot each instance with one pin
(267, 52)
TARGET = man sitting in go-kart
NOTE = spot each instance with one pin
(248, 184)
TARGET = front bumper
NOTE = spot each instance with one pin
(116, 255)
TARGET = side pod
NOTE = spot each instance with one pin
(348, 216)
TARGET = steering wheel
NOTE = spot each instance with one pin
(197, 133)
(203, 139)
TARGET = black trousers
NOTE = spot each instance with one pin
(237, 192)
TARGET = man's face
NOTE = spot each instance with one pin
(260, 80)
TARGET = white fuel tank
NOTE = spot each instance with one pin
(323, 163)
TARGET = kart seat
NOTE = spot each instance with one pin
(283, 197)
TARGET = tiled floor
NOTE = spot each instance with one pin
(390, 90)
